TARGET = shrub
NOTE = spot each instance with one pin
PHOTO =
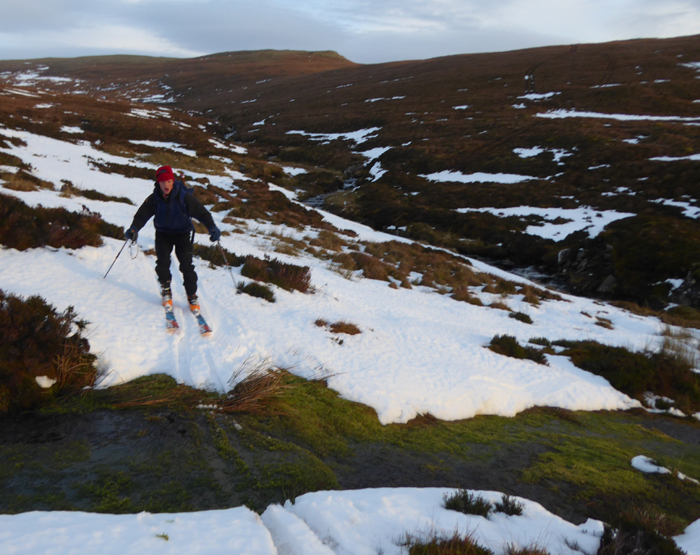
(287, 276)
(23, 227)
(257, 290)
(521, 317)
(212, 254)
(36, 341)
(468, 503)
(542, 341)
(664, 373)
(508, 346)
(509, 506)
(632, 537)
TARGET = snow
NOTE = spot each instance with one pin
(575, 219)
(690, 540)
(448, 176)
(290, 170)
(359, 137)
(689, 211)
(538, 97)
(73, 130)
(167, 146)
(649, 466)
(232, 531)
(44, 382)
(375, 153)
(559, 114)
(359, 522)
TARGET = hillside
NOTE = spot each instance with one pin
(392, 368)
(453, 141)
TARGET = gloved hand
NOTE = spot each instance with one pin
(214, 233)
(131, 234)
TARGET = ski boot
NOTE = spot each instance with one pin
(167, 296)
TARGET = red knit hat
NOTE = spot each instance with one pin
(164, 173)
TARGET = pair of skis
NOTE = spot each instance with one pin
(173, 327)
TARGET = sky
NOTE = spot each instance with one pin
(364, 31)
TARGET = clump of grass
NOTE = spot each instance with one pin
(508, 345)
(464, 501)
(434, 544)
(521, 317)
(251, 393)
(511, 549)
(509, 506)
(38, 342)
(287, 276)
(259, 290)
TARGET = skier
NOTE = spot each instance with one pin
(172, 205)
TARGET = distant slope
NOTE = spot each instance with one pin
(610, 129)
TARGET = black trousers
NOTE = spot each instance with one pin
(183, 250)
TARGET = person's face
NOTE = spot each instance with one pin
(166, 186)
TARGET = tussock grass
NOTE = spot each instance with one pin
(252, 392)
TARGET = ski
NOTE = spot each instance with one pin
(171, 323)
(204, 328)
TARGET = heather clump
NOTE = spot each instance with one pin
(43, 353)
(287, 276)
(23, 227)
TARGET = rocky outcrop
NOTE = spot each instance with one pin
(589, 270)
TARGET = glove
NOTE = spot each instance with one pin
(214, 233)
(131, 234)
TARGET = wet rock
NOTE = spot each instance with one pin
(608, 286)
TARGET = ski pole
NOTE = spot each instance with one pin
(230, 271)
(115, 258)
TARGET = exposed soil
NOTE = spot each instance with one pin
(131, 460)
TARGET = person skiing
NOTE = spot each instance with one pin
(172, 205)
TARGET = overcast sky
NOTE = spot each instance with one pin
(364, 31)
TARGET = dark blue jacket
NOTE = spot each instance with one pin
(172, 215)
